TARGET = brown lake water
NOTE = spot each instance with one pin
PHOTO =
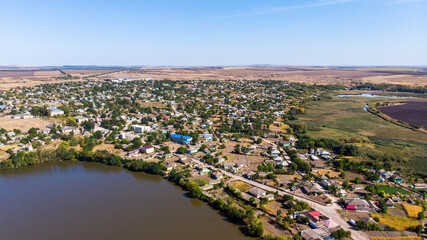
(73, 200)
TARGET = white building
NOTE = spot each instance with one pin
(54, 111)
(147, 149)
(80, 119)
(22, 116)
(68, 129)
(140, 128)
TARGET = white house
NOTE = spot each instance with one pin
(257, 192)
(147, 149)
(275, 153)
(169, 165)
(68, 129)
(140, 128)
(80, 119)
(54, 111)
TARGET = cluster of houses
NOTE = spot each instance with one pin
(145, 109)
(385, 175)
(321, 227)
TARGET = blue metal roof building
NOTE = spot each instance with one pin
(181, 138)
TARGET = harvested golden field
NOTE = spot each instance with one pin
(6, 84)
(27, 74)
(281, 128)
(152, 104)
(412, 210)
(396, 238)
(22, 124)
(242, 186)
(309, 75)
(400, 223)
(32, 77)
(8, 147)
(232, 157)
(3, 155)
(15, 78)
(108, 147)
(401, 79)
(86, 73)
(331, 173)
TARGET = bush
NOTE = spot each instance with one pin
(340, 234)
(421, 216)
(181, 150)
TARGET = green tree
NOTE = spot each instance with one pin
(181, 150)
(72, 122)
(88, 125)
(256, 228)
(357, 180)
(136, 143)
(237, 148)
(345, 184)
(382, 206)
(245, 150)
(97, 135)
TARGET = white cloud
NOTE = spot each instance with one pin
(406, 1)
(316, 3)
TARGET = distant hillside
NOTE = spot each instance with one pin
(69, 67)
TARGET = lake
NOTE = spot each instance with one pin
(370, 96)
(73, 200)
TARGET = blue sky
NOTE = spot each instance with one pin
(220, 32)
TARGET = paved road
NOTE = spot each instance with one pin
(328, 211)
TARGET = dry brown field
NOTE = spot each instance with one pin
(331, 173)
(85, 73)
(108, 147)
(310, 75)
(152, 104)
(404, 79)
(411, 112)
(18, 78)
(22, 124)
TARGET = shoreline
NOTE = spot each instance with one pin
(183, 185)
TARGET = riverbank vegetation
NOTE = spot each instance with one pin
(245, 218)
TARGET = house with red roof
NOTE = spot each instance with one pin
(314, 215)
(147, 149)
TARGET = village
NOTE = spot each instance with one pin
(235, 140)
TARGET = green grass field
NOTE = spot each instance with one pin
(344, 119)
(392, 190)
